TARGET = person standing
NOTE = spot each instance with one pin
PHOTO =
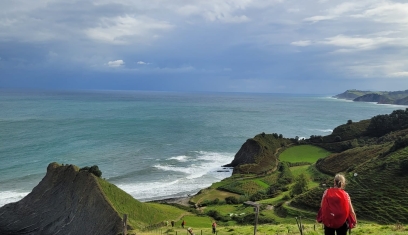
(214, 227)
(183, 223)
(337, 212)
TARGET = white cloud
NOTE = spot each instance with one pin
(318, 18)
(361, 43)
(387, 67)
(338, 11)
(142, 63)
(301, 43)
(387, 12)
(399, 74)
(122, 30)
(116, 63)
(229, 11)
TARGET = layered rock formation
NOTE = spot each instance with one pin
(66, 201)
(259, 155)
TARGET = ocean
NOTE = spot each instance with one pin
(153, 145)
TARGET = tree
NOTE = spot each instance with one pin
(300, 186)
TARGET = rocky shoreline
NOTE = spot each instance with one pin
(184, 201)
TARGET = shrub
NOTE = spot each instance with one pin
(286, 176)
(93, 169)
(258, 196)
(286, 197)
(300, 186)
(231, 200)
(404, 166)
(217, 215)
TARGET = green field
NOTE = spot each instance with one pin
(303, 153)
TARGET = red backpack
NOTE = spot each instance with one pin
(335, 208)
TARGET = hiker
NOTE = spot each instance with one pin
(214, 227)
(172, 223)
(183, 223)
(336, 211)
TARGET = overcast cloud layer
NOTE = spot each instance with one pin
(311, 46)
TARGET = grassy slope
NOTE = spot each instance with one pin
(303, 153)
(380, 191)
(349, 159)
(362, 229)
(139, 214)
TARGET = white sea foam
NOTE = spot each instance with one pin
(199, 172)
(181, 158)
(186, 170)
(11, 196)
(200, 165)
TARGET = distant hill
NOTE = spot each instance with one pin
(70, 201)
(380, 97)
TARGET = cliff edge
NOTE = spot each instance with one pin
(66, 201)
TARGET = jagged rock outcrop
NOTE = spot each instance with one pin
(246, 153)
(259, 155)
(66, 201)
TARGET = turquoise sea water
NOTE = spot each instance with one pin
(153, 145)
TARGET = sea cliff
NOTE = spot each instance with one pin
(66, 201)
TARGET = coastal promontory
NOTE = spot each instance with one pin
(380, 97)
(73, 200)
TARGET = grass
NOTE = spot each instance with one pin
(211, 194)
(310, 228)
(303, 153)
(139, 214)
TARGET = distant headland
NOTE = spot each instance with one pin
(380, 97)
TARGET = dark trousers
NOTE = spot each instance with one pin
(338, 231)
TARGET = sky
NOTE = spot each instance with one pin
(268, 46)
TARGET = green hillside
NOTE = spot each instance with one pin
(140, 215)
(374, 149)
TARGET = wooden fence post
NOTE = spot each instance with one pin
(124, 224)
